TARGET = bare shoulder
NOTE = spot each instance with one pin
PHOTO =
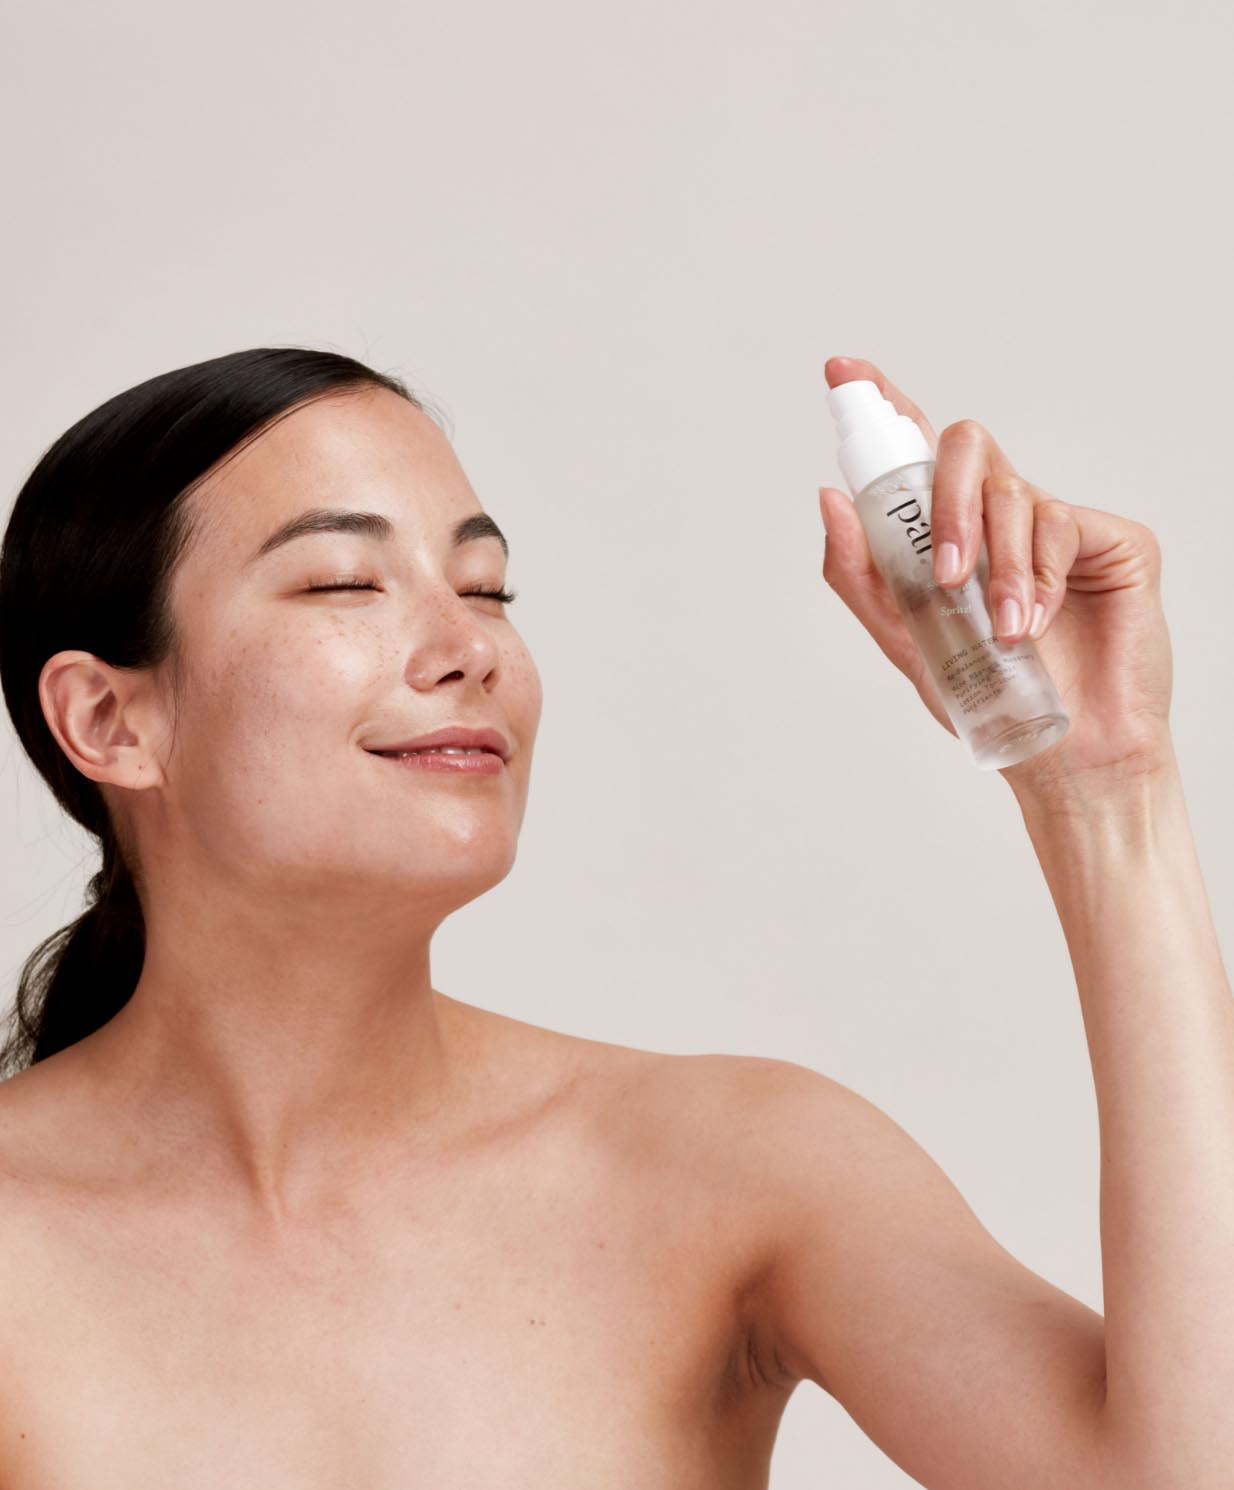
(40, 1110)
(735, 1141)
(696, 1109)
(708, 1106)
(725, 1111)
(715, 1137)
(713, 1115)
(44, 1173)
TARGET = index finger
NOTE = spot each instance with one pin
(839, 370)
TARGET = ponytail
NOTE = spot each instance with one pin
(76, 979)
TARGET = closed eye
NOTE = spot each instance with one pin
(504, 596)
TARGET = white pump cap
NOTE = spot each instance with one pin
(874, 438)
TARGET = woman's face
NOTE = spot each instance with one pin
(281, 690)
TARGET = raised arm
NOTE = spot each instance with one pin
(1159, 1018)
(968, 1369)
(963, 1365)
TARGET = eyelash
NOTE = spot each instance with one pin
(505, 596)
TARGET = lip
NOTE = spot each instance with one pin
(482, 739)
(483, 763)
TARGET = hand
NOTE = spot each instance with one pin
(1102, 636)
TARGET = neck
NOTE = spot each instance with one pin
(297, 1057)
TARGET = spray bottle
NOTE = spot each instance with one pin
(998, 695)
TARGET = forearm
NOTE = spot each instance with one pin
(1159, 1019)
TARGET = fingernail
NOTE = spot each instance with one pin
(1038, 626)
(1010, 617)
(948, 564)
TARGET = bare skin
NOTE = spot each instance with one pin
(293, 1217)
(555, 1290)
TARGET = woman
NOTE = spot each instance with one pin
(276, 1212)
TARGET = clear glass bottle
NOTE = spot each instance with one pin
(998, 695)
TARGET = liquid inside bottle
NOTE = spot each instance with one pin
(998, 695)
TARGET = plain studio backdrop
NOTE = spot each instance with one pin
(615, 245)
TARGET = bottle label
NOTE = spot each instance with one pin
(978, 673)
(953, 628)
(916, 528)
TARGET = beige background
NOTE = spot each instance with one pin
(616, 243)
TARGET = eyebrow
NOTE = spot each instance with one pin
(372, 525)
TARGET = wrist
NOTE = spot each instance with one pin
(1125, 803)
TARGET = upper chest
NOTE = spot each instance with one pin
(555, 1311)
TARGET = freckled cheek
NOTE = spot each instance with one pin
(286, 689)
(524, 690)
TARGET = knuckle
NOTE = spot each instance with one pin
(1047, 575)
(1051, 517)
(963, 432)
(1004, 486)
(1014, 566)
(1152, 552)
(1011, 580)
(1053, 510)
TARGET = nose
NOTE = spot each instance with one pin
(451, 638)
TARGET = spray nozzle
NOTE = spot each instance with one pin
(874, 437)
(856, 402)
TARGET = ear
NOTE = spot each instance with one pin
(104, 718)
